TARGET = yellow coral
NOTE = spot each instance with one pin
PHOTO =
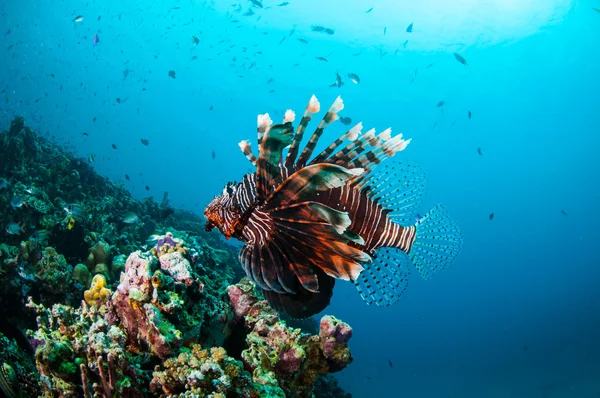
(218, 353)
(98, 292)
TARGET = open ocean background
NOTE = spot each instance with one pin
(518, 314)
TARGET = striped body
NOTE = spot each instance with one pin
(340, 215)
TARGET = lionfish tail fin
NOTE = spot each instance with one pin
(303, 303)
(438, 241)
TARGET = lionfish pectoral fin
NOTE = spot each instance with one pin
(303, 303)
(309, 181)
(438, 241)
(383, 281)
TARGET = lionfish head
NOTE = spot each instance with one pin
(222, 212)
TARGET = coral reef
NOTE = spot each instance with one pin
(280, 356)
(93, 306)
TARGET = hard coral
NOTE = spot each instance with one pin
(98, 293)
(283, 357)
(198, 372)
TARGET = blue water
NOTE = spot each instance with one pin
(518, 314)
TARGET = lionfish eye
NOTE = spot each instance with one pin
(230, 190)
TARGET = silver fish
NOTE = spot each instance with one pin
(354, 78)
(40, 235)
(14, 229)
(17, 201)
(130, 218)
(74, 210)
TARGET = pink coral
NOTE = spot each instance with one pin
(335, 335)
(178, 267)
(242, 298)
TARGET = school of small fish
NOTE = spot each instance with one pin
(193, 33)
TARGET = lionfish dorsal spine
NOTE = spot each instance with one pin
(330, 117)
(350, 135)
(313, 107)
(247, 151)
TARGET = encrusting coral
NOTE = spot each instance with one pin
(98, 293)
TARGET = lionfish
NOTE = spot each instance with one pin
(340, 215)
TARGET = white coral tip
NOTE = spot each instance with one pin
(386, 134)
(313, 105)
(289, 116)
(337, 105)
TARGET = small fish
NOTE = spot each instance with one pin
(248, 13)
(328, 31)
(130, 218)
(74, 210)
(596, 9)
(322, 59)
(470, 114)
(78, 18)
(213, 154)
(17, 201)
(354, 78)
(405, 43)
(461, 59)
(345, 120)
(409, 28)
(285, 3)
(440, 104)
(317, 28)
(85, 134)
(256, 3)
(3, 183)
(127, 177)
(390, 363)
(491, 216)
(369, 10)
(210, 108)
(338, 81)
(114, 146)
(96, 39)
(195, 40)
(147, 188)
(40, 235)
(384, 30)
(479, 152)
(91, 158)
(303, 41)
(172, 74)
(32, 190)
(564, 213)
(14, 229)
(145, 142)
